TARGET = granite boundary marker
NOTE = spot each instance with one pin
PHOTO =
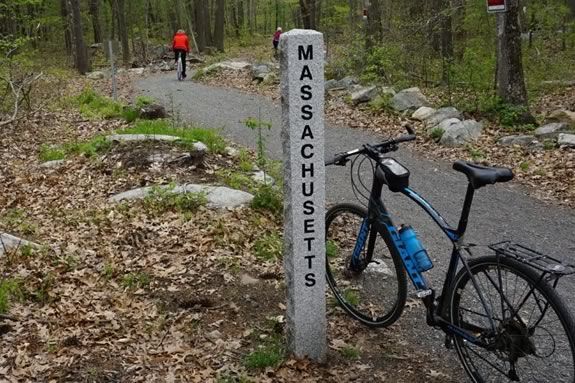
(302, 89)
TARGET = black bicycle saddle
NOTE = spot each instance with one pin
(479, 176)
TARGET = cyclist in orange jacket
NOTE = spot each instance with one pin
(181, 47)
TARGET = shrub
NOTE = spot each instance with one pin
(269, 247)
(268, 198)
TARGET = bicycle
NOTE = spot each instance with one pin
(179, 68)
(500, 312)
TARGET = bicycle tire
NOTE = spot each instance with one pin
(386, 286)
(529, 340)
(180, 69)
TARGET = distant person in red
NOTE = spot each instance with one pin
(181, 47)
(276, 40)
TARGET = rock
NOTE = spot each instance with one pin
(271, 78)
(218, 197)
(141, 137)
(9, 242)
(259, 72)
(364, 95)
(232, 65)
(411, 98)
(521, 140)
(52, 164)
(442, 114)
(95, 75)
(195, 60)
(562, 115)
(347, 82)
(565, 139)
(138, 71)
(200, 147)
(166, 67)
(247, 280)
(422, 113)
(331, 84)
(210, 50)
(387, 90)
(559, 82)
(261, 177)
(457, 133)
(153, 112)
(551, 130)
(232, 152)
(96, 46)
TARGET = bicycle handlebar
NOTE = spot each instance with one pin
(373, 151)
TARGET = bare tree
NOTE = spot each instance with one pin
(95, 14)
(219, 29)
(123, 31)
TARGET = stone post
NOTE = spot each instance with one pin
(302, 86)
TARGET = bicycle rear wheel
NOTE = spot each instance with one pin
(375, 292)
(534, 333)
(180, 69)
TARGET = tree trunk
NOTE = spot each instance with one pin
(123, 31)
(220, 25)
(81, 53)
(374, 27)
(307, 10)
(446, 39)
(200, 24)
(510, 78)
(96, 26)
(67, 35)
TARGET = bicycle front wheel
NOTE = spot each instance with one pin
(373, 292)
(528, 331)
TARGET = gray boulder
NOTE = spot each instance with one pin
(387, 90)
(331, 84)
(9, 243)
(565, 139)
(551, 130)
(347, 82)
(442, 114)
(195, 60)
(138, 71)
(261, 177)
(52, 164)
(457, 133)
(97, 75)
(200, 147)
(141, 137)
(423, 113)
(260, 71)
(562, 115)
(521, 140)
(153, 112)
(407, 99)
(364, 95)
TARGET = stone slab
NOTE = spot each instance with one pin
(10, 242)
(141, 137)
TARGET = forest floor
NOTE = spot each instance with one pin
(153, 291)
(550, 173)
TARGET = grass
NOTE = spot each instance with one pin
(188, 136)
(93, 105)
(436, 133)
(10, 289)
(19, 221)
(163, 199)
(269, 247)
(137, 280)
(351, 297)
(96, 145)
(524, 166)
(331, 249)
(267, 197)
(350, 352)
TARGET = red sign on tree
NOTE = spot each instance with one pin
(496, 6)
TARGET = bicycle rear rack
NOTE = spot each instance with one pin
(533, 258)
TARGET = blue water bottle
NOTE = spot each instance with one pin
(415, 248)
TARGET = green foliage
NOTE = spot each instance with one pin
(351, 297)
(350, 352)
(93, 105)
(188, 136)
(436, 133)
(136, 280)
(10, 290)
(331, 249)
(269, 354)
(259, 126)
(475, 153)
(163, 199)
(142, 101)
(237, 180)
(549, 144)
(269, 247)
(509, 115)
(130, 114)
(524, 166)
(381, 103)
(19, 221)
(268, 198)
(50, 153)
(245, 161)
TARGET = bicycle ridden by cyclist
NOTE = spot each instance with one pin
(181, 47)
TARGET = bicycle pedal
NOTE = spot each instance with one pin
(449, 342)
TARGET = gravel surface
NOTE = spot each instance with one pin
(499, 212)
